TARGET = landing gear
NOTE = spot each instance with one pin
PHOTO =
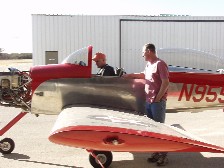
(7, 145)
(100, 159)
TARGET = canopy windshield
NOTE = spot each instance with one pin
(77, 57)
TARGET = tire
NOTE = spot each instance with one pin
(105, 157)
(7, 145)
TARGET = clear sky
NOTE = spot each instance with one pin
(16, 20)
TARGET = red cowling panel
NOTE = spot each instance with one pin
(43, 73)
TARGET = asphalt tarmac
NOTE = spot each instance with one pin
(34, 150)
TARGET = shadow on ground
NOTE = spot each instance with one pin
(25, 158)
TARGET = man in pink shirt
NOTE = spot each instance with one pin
(156, 74)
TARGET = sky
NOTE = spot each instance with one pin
(16, 15)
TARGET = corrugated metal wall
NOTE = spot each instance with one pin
(185, 41)
(190, 42)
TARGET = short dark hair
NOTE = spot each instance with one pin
(150, 47)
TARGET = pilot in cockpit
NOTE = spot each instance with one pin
(105, 69)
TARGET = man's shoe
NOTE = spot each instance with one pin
(154, 157)
(162, 161)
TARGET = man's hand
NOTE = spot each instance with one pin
(125, 76)
(134, 76)
(163, 89)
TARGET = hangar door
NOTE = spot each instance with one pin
(191, 43)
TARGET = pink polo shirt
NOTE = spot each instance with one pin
(154, 72)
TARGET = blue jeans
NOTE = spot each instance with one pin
(156, 111)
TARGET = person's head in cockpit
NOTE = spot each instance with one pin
(105, 69)
(100, 59)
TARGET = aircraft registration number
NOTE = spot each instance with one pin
(198, 93)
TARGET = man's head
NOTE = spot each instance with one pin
(100, 59)
(149, 52)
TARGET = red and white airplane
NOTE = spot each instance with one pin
(104, 114)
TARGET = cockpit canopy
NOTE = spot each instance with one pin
(79, 57)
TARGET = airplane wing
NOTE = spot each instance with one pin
(108, 130)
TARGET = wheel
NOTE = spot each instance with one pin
(7, 145)
(105, 157)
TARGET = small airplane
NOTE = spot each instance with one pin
(103, 114)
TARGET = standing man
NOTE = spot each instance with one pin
(156, 75)
(105, 69)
